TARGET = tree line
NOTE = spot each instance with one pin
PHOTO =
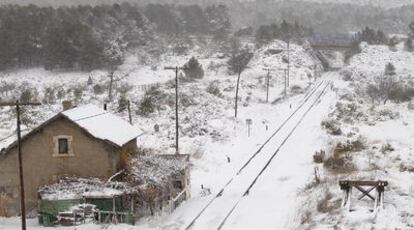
(86, 37)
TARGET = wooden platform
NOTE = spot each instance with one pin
(364, 187)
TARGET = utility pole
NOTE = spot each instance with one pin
(129, 112)
(267, 84)
(176, 69)
(288, 64)
(286, 82)
(237, 92)
(17, 104)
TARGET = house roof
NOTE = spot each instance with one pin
(97, 122)
(103, 124)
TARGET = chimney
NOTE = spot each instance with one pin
(105, 107)
(66, 105)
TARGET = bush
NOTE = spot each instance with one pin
(122, 103)
(49, 96)
(341, 161)
(332, 127)
(97, 89)
(213, 88)
(401, 94)
(295, 89)
(324, 205)
(193, 69)
(319, 156)
(28, 95)
(78, 93)
(386, 148)
(346, 75)
(146, 106)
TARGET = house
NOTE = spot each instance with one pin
(82, 142)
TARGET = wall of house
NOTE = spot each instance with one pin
(91, 158)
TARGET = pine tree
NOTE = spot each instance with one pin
(193, 69)
(390, 69)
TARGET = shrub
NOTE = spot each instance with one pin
(406, 168)
(332, 127)
(319, 156)
(97, 89)
(193, 69)
(390, 69)
(78, 92)
(122, 103)
(49, 96)
(341, 161)
(28, 95)
(295, 89)
(213, 88)
(386, 148)
(146, 106)
(346, 75)
(324, 205)
(401, 94)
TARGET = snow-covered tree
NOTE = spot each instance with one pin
(193, 69)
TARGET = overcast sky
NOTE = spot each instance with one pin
(383, 3)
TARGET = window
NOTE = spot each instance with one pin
(63, 146)
(178, 185)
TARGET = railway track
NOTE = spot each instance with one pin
(247, 191)
(256, 155)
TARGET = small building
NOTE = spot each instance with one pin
(83, 141)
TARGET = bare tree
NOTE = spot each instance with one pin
(381, 88)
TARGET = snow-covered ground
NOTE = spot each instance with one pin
(285, 196)
(381, 138)
(208, 130)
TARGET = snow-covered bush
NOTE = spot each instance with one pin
(346, 75)
(193, 69)
(386, 148)
(29, 95)
(213, 88)
(49, 95)
(147, 104)
(296, 89)
(319, 156)
(332, 126)
(340, 160)
(97, 89)
(122, 103)
(325, 204)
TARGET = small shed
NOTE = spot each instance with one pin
(61, 203)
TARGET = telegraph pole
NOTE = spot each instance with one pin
(267, 84)
(288, 64)
(17, 104)
(286, 82)
(176, 69)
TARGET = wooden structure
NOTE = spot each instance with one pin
(365, 187)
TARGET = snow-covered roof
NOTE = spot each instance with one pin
(97, 122)
(103, 124)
